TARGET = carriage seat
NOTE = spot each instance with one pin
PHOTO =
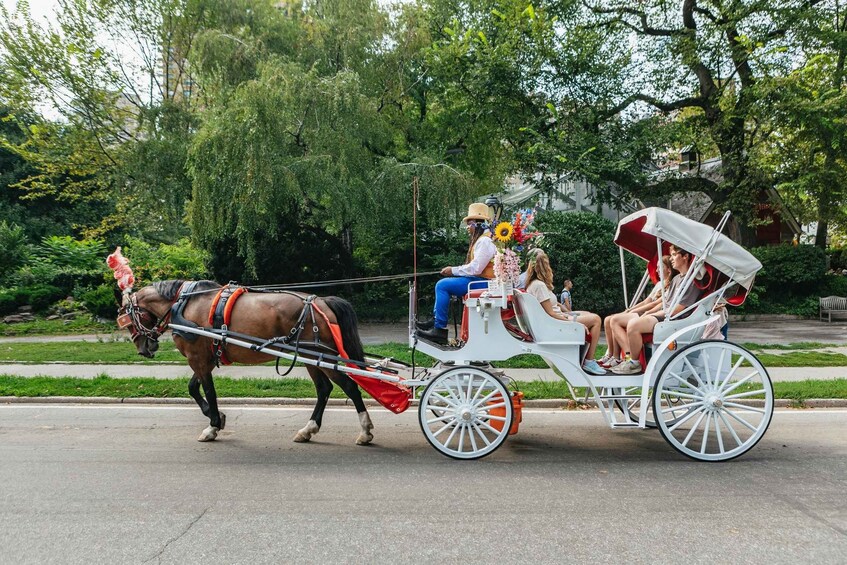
(663, 330)
(534, 321)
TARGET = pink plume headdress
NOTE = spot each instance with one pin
(120, 265)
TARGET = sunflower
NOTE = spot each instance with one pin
(503, 231)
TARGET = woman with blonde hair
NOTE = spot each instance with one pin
(539, 283)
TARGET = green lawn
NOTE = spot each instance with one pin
(300, 388)
(82, 324)
(122, 352)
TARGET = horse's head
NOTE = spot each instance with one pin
(139, 312)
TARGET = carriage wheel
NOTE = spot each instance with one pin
(630, 408)
(465, 413)
(714, 401)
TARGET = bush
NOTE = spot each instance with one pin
(834, 285)
(789, 270)
(14, 248)
(837, 259)
(581, 248)
(8, 304)
(42, 296)
(101, 301)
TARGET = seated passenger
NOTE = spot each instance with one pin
(479, 266)
(615, 325)
(644, 324)
(539, 278)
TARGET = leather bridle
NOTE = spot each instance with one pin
(140, 321)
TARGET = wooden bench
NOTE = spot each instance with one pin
(832, 305)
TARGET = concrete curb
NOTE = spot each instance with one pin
(279, 401)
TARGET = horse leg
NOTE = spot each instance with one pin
(217, 419)
(351, 389)
(323, 387)
(194, 391)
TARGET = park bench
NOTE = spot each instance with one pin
(832, 305)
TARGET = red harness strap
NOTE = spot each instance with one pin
(229, 297)
(395, 397)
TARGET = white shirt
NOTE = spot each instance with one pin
(540, 291)
(484, 251)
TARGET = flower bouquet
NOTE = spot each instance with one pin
(511, 239)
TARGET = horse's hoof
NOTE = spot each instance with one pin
(307, 432)
(364, 439)
(223, 420)
(209, 434)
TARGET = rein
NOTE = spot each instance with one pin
(135, 316)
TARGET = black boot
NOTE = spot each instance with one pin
(425, 324)
(435, 335)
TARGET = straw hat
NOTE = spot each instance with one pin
(478, 211)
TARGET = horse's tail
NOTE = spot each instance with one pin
(348, 323)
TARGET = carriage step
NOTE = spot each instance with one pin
(625, 425)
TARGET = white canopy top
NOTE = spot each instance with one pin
(637, 234)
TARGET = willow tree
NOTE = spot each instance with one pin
(312, 138)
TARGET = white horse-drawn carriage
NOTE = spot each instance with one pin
(711, 400)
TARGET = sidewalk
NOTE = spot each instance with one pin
(181, 371)
(776, 331)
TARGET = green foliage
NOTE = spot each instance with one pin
(15, 249)
(834, 285)
(581, 248)
(790, 270)
(837, 259)
(42, 296)
(180, 260)
(8, 303)
(101, 301)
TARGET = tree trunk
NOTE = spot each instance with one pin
(820, 235)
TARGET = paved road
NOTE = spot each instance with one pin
(118, 484)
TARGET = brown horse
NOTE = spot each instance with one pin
(264, 315)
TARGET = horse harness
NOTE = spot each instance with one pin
(220, 315)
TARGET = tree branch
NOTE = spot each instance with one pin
(645, 28)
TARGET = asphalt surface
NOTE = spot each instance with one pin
(119, 484)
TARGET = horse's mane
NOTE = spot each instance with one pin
(168, 289)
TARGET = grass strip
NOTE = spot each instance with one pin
(103, 385)
(123, 352)
(81, 324)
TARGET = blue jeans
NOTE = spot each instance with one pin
(444, 289)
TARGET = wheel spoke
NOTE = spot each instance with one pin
(470, 437)
(441, 418)
(471, 379)
(730, 428)
(720, 368)
(741, 420)
(446, 426)
(452, 394)
(482, 435)
(706, 433)
(497, 418)
(479, 390)
(693, 429)
(718, 435)
(488, 407)
(678, 408)
(693, 372)
(489, 428)
(685, 382)
(461, 447)
(453, 433)
(741, 382)
(744, 407)
(486, 398)
(746, 394)
(680, 394)
(706, 366)
(730, 373)
(449, 402)
(685, 418)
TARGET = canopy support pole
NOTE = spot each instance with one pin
(623, 277)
